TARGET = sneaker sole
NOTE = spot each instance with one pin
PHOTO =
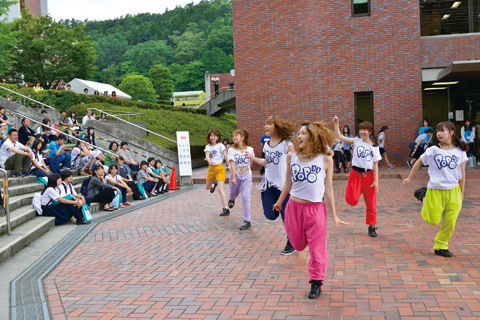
(287, 253)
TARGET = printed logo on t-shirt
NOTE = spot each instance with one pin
(307, 173)
(273, 156)
(241, 159)
(213, 153)
(365, 153)
(446, 162)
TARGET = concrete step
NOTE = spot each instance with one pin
(28, 179)
(35, 187)
(24, 235)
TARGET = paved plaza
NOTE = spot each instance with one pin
(177, 259)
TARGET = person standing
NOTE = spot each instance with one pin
(347, 149)
(309, 181)
(264, 140)
(468, 136)
(382, 145)
(216, 153)
(446, 186)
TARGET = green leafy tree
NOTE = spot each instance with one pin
(111, 50)
(5, 7)
(139, 88)
(216, 61)
(189, 45)
(144, 55)
(189, 77)
(162, 83)
(221, 38)
(7, 39)
(46, 50)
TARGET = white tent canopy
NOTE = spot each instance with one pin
(79, 85)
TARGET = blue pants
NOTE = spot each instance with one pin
(124, 194)
(55, 162)
(149, 186)
(39, 173)
(269, 198)
(62, 212)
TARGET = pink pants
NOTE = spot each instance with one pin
(306, 224)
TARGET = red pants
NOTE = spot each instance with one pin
(359, 183)
(306, 224)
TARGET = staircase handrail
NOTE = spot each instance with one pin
(25, 97)
(6, 200)
(133, 124)
(216, 93)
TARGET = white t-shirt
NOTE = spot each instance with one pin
(66, 189)
(49, 194)
(239, 158)
(85, 119)
(444, 167)
(381, 140)
(364, 154)
(70, 120)
(5, 153)
(338, 145)
(117, 178)
(276, 163)
(38, 159)
(216, 153)
(308, 179)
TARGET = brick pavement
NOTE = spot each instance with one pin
(178, 260)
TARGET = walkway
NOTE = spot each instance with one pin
(178, 260)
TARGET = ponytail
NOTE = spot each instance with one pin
(448, 126)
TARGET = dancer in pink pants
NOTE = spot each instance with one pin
(309, 179)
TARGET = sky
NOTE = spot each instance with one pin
(108, 9)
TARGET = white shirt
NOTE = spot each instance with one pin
(49, 196)
(85, 119)
(5, 153)
(444, 167)
(364, 154)
(471, 137)
(381, 140)
(308, 179)
(38, 159)
(216, 153)
(276, 163)
(239, 158)
(337, 146)
(70, 120)
(117, 178)
(66, 189)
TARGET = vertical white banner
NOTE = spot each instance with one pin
(184, 156)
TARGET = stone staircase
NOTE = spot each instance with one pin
(25, 224)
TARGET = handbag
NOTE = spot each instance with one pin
(87, 216)
(117, 199)
(142, 191)
(41, 180)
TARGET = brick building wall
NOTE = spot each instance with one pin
(34, 6)
(440, 51)
(303, 60)
(223, 83)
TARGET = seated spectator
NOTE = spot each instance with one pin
(57, 155)
(105, 93)
(25, 132)
(90, 134)
(15, 156)
(161, 170)
(38, 167)
(122, 171)
(151, 172)
(115, 179)
(44, 113)
(66, 188)
(63, 124)
(54, 205)
(418, 147)
(110, 158)
(144, 179)
(85, 90)
(37, 86)
(4, 119)
(99, 191)
(48, 134)
(69, 87)
(61, 85)
(103, 117)
(88, 116)
(4, 80)
(73, 123)
(114, 95)
(96, 93)
(94, 116)
(93, 151)
(125, 153)
(82, 159)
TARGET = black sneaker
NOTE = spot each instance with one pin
(371, 231)
(212, 190)
(288, 249)
(82, 222)
(231, 203)
(444, 253)
(409, 164)
(225, 212)
(315, 290)
(245, 225)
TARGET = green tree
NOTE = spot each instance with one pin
(5, 7)
(189, 77)
(189, 45)
(144, 55)
(162, 83)
(7, 39)
(216, 61)
(111, 50)
(46, 50)
(139, 88)
(221, 38)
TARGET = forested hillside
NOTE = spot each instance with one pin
(188, 40)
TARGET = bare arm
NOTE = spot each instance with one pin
(339, 135)
(207, 155)
(328, 165)
(286, 186)
(414, 170)
(233, 169)
(462, 181)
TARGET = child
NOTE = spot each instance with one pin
(240, 174)
(347, 148)
(381, 144)
(446, 168)
(275, 163)
(54, 205)
(215, 153)
(309, 178)
(364, 176)
(38, 168)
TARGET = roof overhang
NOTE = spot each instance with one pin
(460, 70)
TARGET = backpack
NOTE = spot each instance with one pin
(37, 203)
(84, 188)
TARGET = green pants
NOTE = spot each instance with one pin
(446, 205)
(18, 163)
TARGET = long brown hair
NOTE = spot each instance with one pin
(215, 132)
(283, 128)
(447, 125)
(369, 127)
(244, 133)
(321, 137)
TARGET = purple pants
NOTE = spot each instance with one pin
(243, 186)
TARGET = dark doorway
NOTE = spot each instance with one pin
(363, 108)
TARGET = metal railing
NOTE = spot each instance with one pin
(6, 200)
(128, 114)
(133, 124)
(25, 97)
(216, 93)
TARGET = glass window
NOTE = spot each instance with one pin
(360, 8)
(363, 108)
(187, 98)
(195, 98)
(179, 99)
(449, 17)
